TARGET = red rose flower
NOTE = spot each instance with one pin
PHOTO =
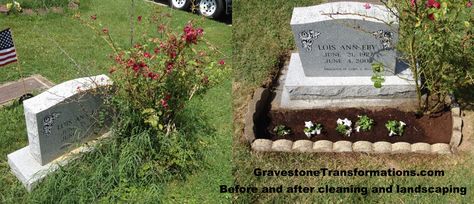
(156, 50)
(105, 30)
(164, 103)
(147, 55)
(169, 67)
(469, 4)
(431, 16)
(221, 62)
(433, 3)
(413, 3)
(139, 18)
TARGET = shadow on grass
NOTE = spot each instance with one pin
(465, 97)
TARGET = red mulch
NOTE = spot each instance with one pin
(419, 129)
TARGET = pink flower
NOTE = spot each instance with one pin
(105, 30)
(94, 17)
(147, 55)
(169, 67)
(200, 31)
(469, 4)
(413, 3)
(221, 62)
(152, 75)
(367, 6)
(190, 34)
(139, 18)
(164, 103)
(433, 3)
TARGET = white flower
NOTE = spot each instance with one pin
(348, 133)
(357, 129)
(318, 131)
(347, 122)
(402, 123)
(313, 131)
(391, 133)
(308, 124)
(308, 134)
(339, 121)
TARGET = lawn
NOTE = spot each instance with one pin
(258, 55)
(60, 47)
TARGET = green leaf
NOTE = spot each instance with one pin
(378, 84)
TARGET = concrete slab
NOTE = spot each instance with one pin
(284, 100)
(11, 91)
(30, 172)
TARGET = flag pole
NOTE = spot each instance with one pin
(25, 94)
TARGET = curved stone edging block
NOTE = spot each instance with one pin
(303, 146)
(323, 146)
(282, 145)
(382, 147)
(421, 147)
(401, 147)
(342, 146)
(362, 146)
(263, 145)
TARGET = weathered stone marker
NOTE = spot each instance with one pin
(337, 45)
(57, 120)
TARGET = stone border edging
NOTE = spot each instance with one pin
(254, 110)
(261, 97)
(283, 145)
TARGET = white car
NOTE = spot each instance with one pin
(207, 8)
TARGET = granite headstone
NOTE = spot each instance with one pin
(345, 38)
(58, 120)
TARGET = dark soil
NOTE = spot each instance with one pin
(419, 129)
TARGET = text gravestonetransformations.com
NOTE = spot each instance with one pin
(347, 189)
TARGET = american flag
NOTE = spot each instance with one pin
(7, 49)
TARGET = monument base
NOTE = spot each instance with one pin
(302, 92)
(30, 172)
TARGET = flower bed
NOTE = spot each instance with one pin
(425, 129)
(439, 135)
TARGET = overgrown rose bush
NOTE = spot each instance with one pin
(154, 79)
(436, 38)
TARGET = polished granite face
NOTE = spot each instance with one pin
(63, 116)
(345, 39)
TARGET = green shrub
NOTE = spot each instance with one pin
(436, 38)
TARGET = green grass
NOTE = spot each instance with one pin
(34, 4)
(39, 40)
(263, 39)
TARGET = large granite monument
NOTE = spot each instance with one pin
(337, 45)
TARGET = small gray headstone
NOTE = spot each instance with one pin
(64, 115)
(345, 38)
